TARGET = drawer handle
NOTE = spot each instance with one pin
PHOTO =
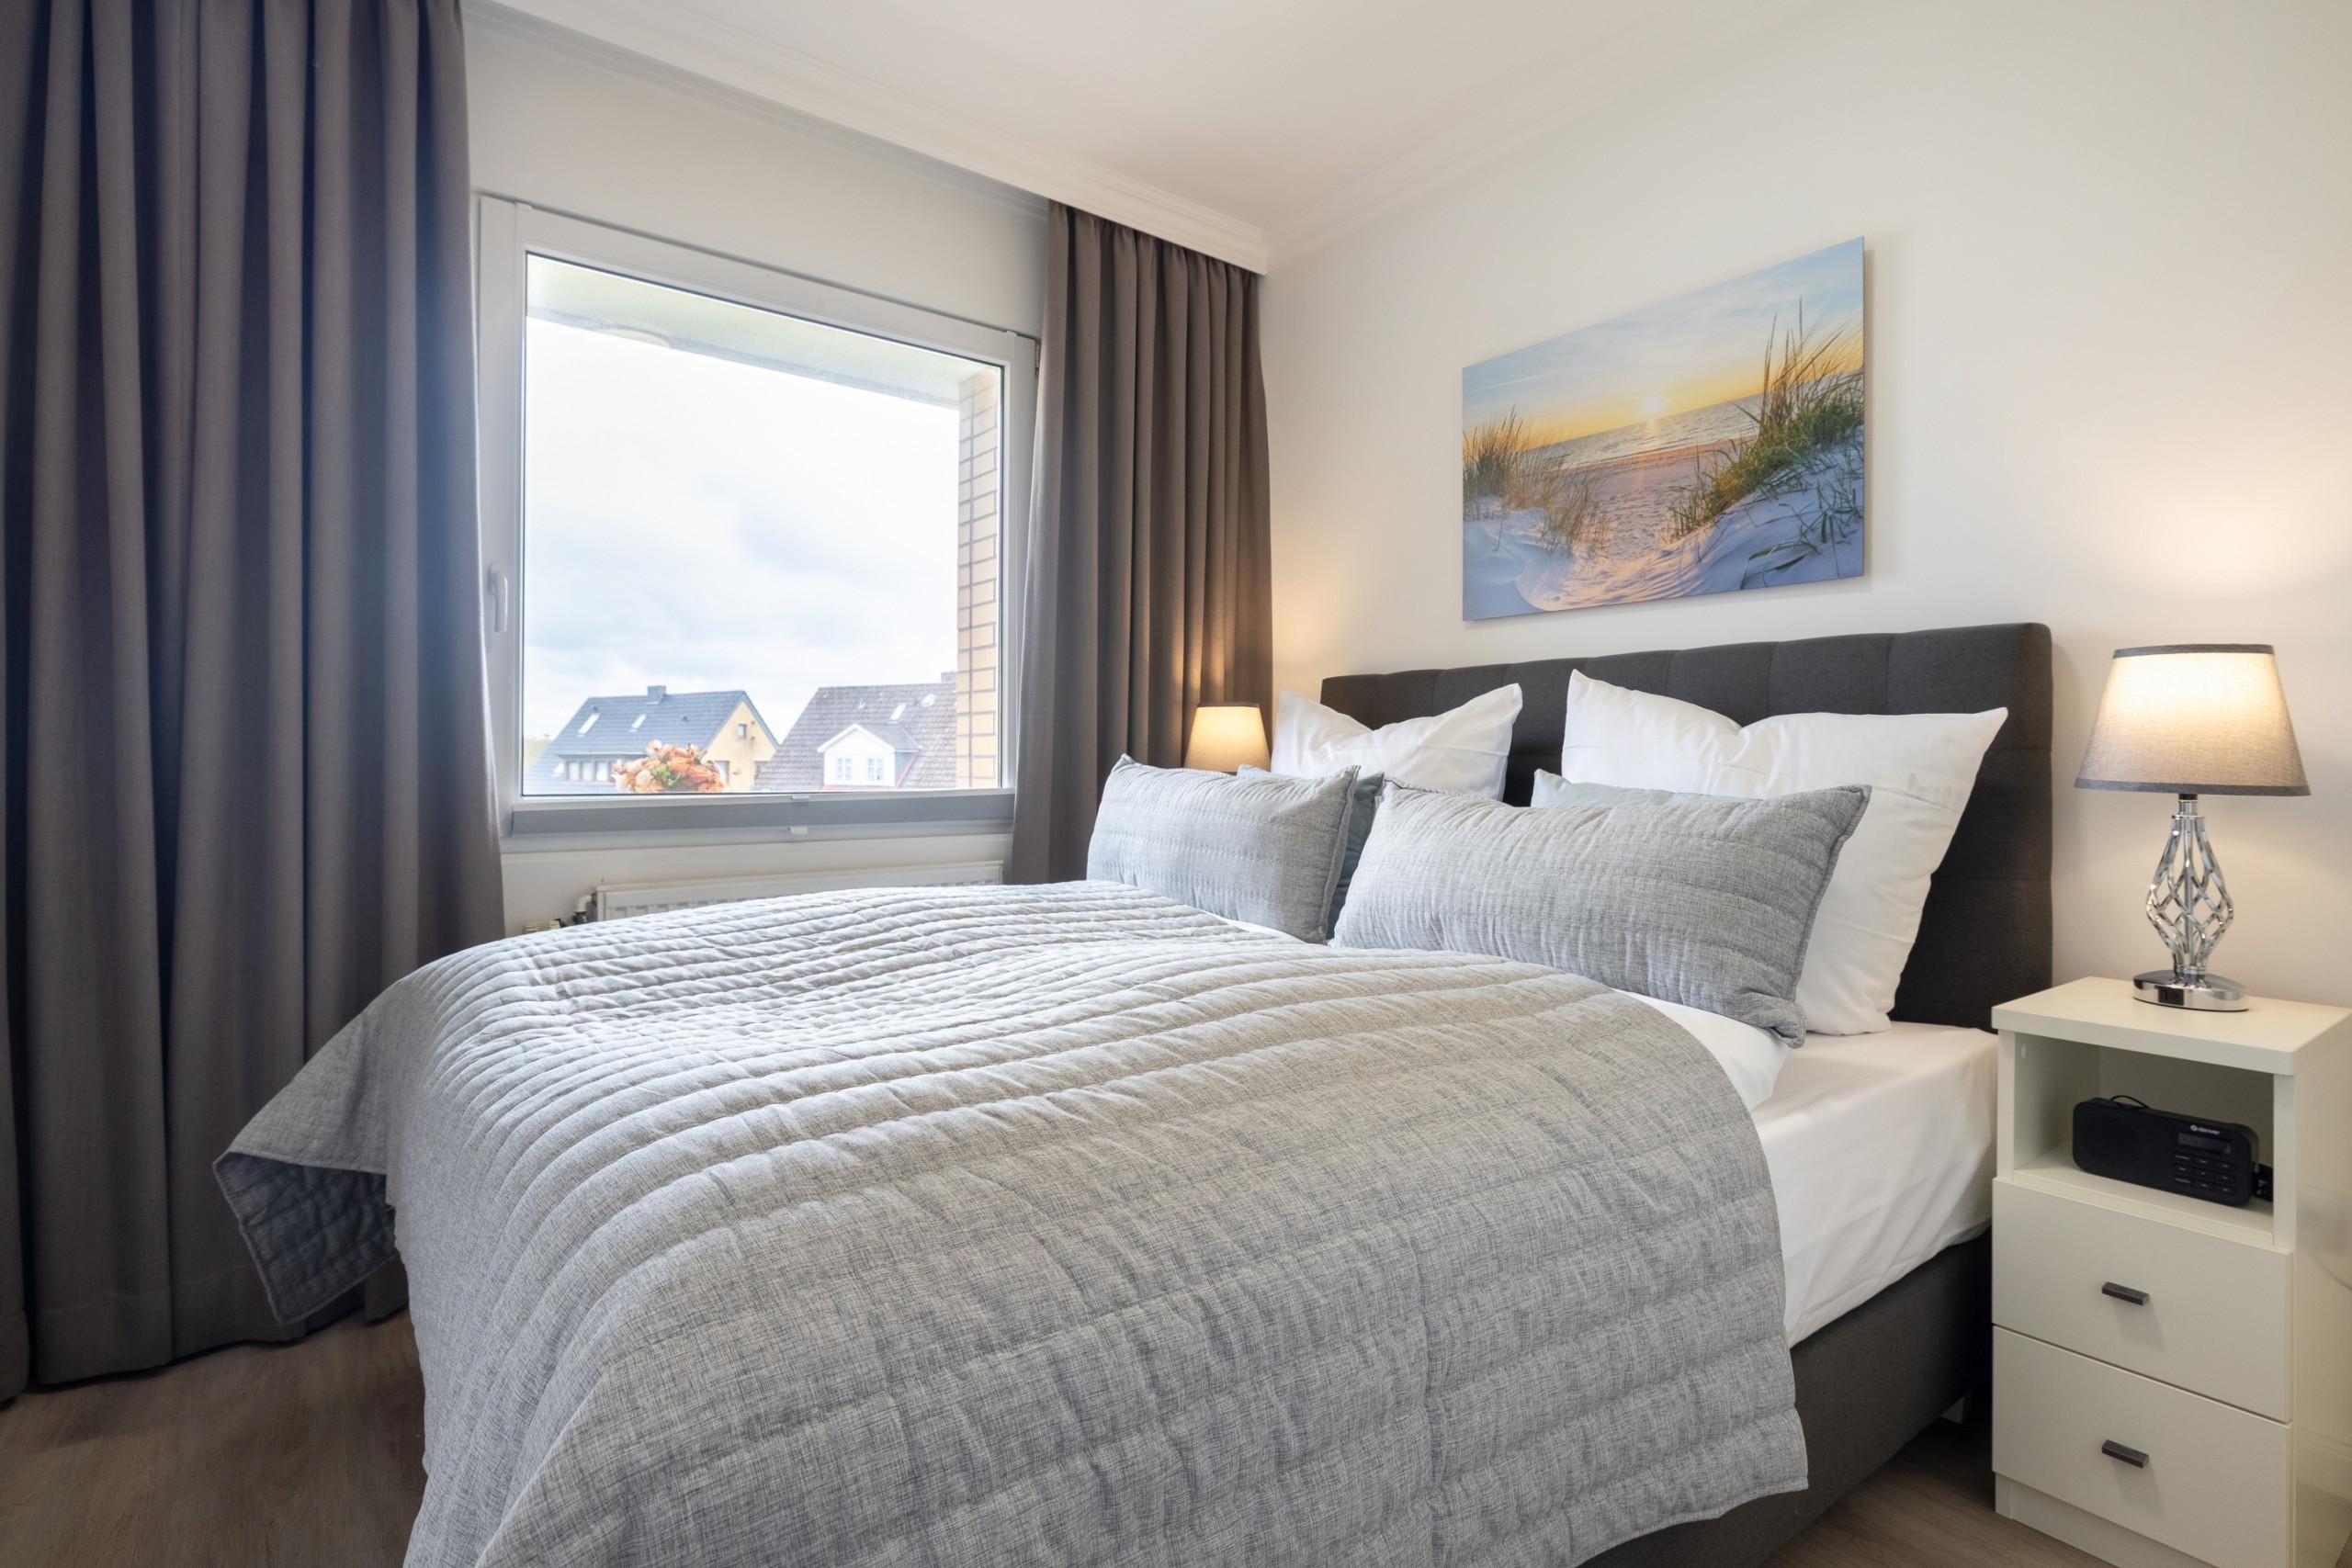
(2132, 1457)
(2124, 1293)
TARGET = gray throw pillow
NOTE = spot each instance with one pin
(1361, 811)
(1551, 789)
(1700, 901)
(1264, 850)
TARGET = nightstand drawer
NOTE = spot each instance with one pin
(2215, 1481)
(2211, 1313)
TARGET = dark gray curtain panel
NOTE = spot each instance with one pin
(242, 741)
(1148, 583)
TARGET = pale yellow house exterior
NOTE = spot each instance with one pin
(741, 745)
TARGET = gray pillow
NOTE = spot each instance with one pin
(1264, 850)
(1361, 811)
(1700, 901)
(1551, 789)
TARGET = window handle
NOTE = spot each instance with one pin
(494, 588)
(2132, 1457)
(2124, 1293)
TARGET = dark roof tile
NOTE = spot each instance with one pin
(909, 715)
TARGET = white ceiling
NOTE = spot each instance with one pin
(1252, 129)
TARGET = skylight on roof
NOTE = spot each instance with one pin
(590, 722)
(638, 723)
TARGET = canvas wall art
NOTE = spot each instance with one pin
(1707, 444)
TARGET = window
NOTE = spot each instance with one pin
(708, 486)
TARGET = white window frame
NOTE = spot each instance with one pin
(509, 232)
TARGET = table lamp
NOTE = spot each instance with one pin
(2190, 719)
(1227, 736)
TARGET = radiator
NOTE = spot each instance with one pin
(615, 901)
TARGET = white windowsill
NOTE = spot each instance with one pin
(571, 823)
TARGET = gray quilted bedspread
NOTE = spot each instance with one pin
(1056, 1226)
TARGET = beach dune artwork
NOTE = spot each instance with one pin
(1707, 444)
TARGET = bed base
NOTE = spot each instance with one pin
(1867, 1384)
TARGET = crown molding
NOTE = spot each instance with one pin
(685, 48)
(1638, 58)
(495, 19)
(683, 40)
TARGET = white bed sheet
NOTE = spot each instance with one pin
(1880, 1149)
(1751, 1058)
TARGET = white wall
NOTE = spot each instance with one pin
(562, 126)
(2109, 273)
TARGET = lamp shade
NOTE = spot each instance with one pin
(1227, 736)
(2194, 718)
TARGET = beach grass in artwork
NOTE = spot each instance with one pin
(1502, 469)
(1710, 444)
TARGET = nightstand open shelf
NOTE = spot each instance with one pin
(2093, 1038)
(2173, 1377)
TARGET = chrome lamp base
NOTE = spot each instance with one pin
(2208, 993)
(2190, 905)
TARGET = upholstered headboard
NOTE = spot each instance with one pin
(1984, 936)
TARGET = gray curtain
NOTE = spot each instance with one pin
(242, 741)
(1147, 590)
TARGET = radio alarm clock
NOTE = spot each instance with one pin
(2125, 1139)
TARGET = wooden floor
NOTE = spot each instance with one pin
(308, 1455)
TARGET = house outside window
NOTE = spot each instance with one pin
(725, 727)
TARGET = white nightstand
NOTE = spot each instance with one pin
(2222, 1355)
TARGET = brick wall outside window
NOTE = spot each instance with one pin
(976, 584)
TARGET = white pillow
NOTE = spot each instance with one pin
(1920, 768)
(1462, 751)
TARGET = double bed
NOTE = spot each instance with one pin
(1074, 1224)
(1888, 1362)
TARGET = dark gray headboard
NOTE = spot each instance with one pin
(1984, 937)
